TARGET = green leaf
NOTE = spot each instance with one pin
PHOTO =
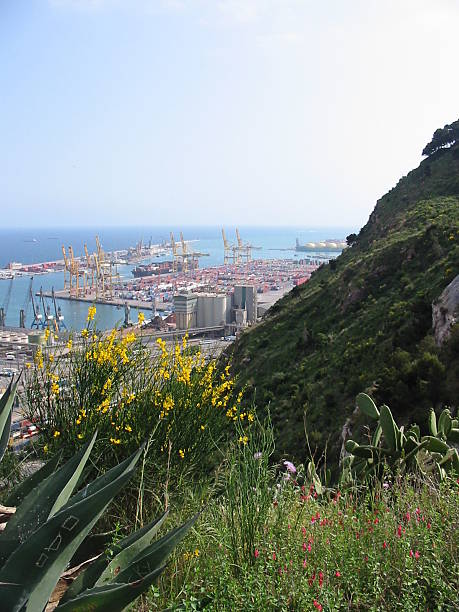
(435, 445)
(390, 429)
(367, 406)
(432, 422)
(154, 555)
(27, 485)
(376, 436)
(6, 406)
(42, 502)
(103, 569)
(445, 422)
(114, 597)
(32, 571)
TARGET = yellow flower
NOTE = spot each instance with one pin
(115, 440)
(69, 344)
(91, 313)
(182, 454)
(28, 365)
(250, 417)
(141, 318)
(80, 436)
(51, 358)
(57, 434)
(84, 333)
(55, 388)
(243, 440)
(128, 428)
(196, 552)
(45, 448)
(47, 333)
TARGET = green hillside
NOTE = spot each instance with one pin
(364, 321)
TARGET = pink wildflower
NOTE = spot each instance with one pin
(256, 553)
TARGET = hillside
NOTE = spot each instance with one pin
(364, 322)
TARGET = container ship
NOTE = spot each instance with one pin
(160, 267)
(163, 267)
(325, 245)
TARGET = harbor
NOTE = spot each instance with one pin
(146, 277)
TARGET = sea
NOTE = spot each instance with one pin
(36, 245)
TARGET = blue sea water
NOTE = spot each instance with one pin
(45, 244)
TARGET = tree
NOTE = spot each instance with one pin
(444, 137)
(351, 239)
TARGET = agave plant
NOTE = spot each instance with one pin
(392, 446)
(47, 524)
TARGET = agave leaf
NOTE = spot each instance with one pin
(130, 548)
(367, 406)
(153, 556)
(103, 569)
(114, 597)
(27, 485)
(75, 477)
(454, 435)
(6, 405)
(42, 501)
(5, 436)
(33, 569)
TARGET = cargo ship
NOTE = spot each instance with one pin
(160, 267)
(325, 245)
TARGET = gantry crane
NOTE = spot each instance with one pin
(244, 249)
(105, 272)
(72, 266)
(230, 251)
(91, 269)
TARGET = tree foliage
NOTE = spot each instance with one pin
(443, 137)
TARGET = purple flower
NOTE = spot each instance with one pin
(290, 467)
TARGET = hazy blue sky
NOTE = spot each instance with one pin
(217, 111)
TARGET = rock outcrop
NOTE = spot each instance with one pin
(445, 312)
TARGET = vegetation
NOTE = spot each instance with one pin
(281, 541)
(364, 324)
(48, 524)
(390, 447)
(110, 383)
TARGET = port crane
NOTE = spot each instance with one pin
(37, 316)
(244, 250)
(230, 251)
(48, 320)
(6, 302)
(25, 306)
(59, 317)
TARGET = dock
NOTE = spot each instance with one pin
(93, 299)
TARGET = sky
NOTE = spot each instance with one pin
(217, 112)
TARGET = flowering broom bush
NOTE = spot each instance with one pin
(112, 383)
